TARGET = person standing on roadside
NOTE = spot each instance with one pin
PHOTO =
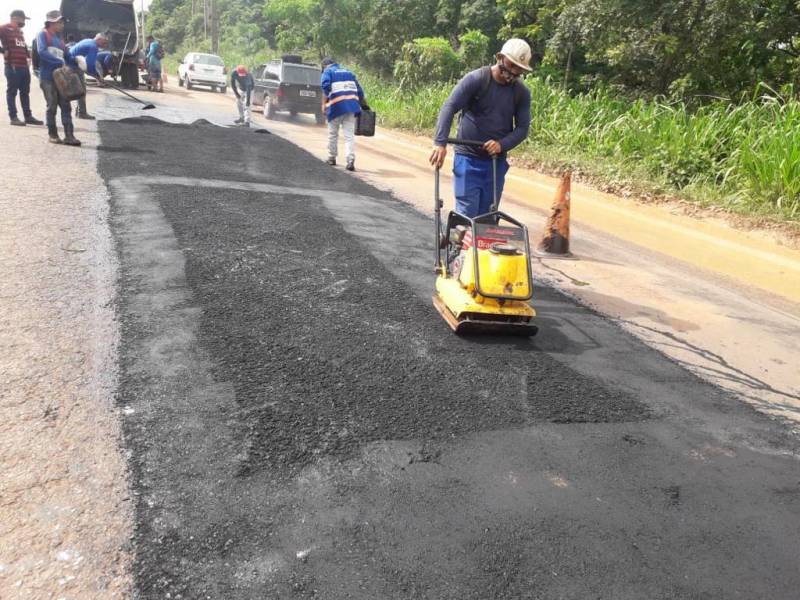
(242, 84)
(17, 72)
(342, 99)
(52, 51)
(155, 53)
(83, 58)
(496, 110)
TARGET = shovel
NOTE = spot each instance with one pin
(146, 106)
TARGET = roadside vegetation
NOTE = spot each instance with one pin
(695, 98)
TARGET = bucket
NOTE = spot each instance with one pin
(68, 83)
(365, 123)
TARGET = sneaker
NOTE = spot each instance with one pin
(239, 121)
(247, 124)
(54, 139)
(331, 161)
(86, 116)
(17, 122)
(351, 165)
(31, 121)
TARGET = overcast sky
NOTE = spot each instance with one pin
(36, 9)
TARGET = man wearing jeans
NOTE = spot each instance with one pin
(342, 98)
(18, 75)
(242, 84)
(52, 52)
(495, 110)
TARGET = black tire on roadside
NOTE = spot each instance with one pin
(130, 76)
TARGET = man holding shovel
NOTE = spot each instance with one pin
(83, 57)
(242, 84)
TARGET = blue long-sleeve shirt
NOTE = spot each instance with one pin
(152, 55)
(492, 116)
(51, 51)
(88, 49)
(342, 90)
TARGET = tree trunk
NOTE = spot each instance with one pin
(214, 28)
(568, 68)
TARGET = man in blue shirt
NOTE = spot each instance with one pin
(51, 51)
(83, 57)
(342, 98)
(496, 110)
(154, 54)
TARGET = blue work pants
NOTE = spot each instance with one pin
(18, 79)
(472, 184)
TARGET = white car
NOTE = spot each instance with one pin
(203, 69)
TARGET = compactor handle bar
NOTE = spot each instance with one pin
(473, 143)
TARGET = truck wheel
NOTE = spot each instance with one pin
(124, 76)
(269, 109)
(180, 81)
(130, 76)
(188, 84)
(223, 89)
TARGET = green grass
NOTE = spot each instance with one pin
(744, 157)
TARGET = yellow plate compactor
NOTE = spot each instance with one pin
(484, 280)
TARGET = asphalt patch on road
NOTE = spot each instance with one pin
(301, 423)
(328, 352)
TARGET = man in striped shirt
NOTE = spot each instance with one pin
(18, 75)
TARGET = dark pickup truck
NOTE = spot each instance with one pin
(115, 18)
(288, 84)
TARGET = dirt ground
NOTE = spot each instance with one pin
(65, 510)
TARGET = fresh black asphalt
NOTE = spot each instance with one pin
(301, 423)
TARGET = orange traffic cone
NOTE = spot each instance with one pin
(555, 241)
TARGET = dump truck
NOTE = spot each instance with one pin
(116, 19)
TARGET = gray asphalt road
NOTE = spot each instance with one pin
(301, 423)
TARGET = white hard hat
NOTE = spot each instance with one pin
(518, 52)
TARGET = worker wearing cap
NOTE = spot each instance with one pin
(496, 110)
(52, 54)
(342, 99)
(18, 75)
(242, 84)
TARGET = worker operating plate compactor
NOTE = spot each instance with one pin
(484, 280)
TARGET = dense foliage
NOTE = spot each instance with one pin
(678, 48)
